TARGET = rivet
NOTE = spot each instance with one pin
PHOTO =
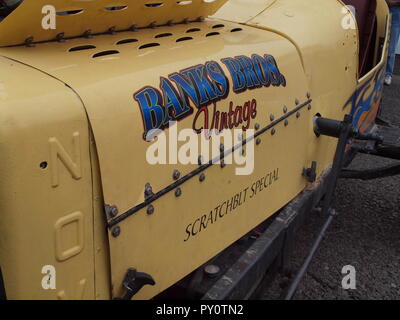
(297, 101)
(134, 27)
(150, 209)
(60, 37)
(29, 42)
(176, 174)
(113, 211)
(272, 117)
(257, 126)
(111, 30)
(284, 109)
(298, 114)
(110, 211)
(186, 21)
(116, 231)
(88, 33)
(153, 25)
(286, 123)
(178, 192)
(308, 95)
(170, 23)
(309, 107)
(202, 177)
(273, 131)
(148, 190)
(258, 141)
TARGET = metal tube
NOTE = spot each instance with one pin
(346, 129)
(327, 127)
(303, 269)
(371, 174)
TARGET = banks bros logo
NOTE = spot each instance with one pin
(200, 86)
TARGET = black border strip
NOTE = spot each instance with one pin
(3, 295)
(201, 168)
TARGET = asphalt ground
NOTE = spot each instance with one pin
(365, 234)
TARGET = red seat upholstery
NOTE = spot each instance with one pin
(366, 21)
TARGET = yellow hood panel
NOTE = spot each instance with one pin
(109, 78)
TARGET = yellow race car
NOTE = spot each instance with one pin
(88, 88)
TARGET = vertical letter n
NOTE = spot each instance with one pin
(72, 164)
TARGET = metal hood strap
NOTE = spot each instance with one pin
(78, 17)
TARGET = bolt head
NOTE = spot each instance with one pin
(113, 211)
(29, 42)
(298, 115)
(284, 109)
(257, 126)
(178, 192)
(272, 117)
(297, 101)
(258, 141)
(116, 231)
(150, 209)
(60, 37)
(176, 174)
(286, 123)
(148, 189)
(88, 33)
(273, 131)
(202, 177)
(110, 211)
